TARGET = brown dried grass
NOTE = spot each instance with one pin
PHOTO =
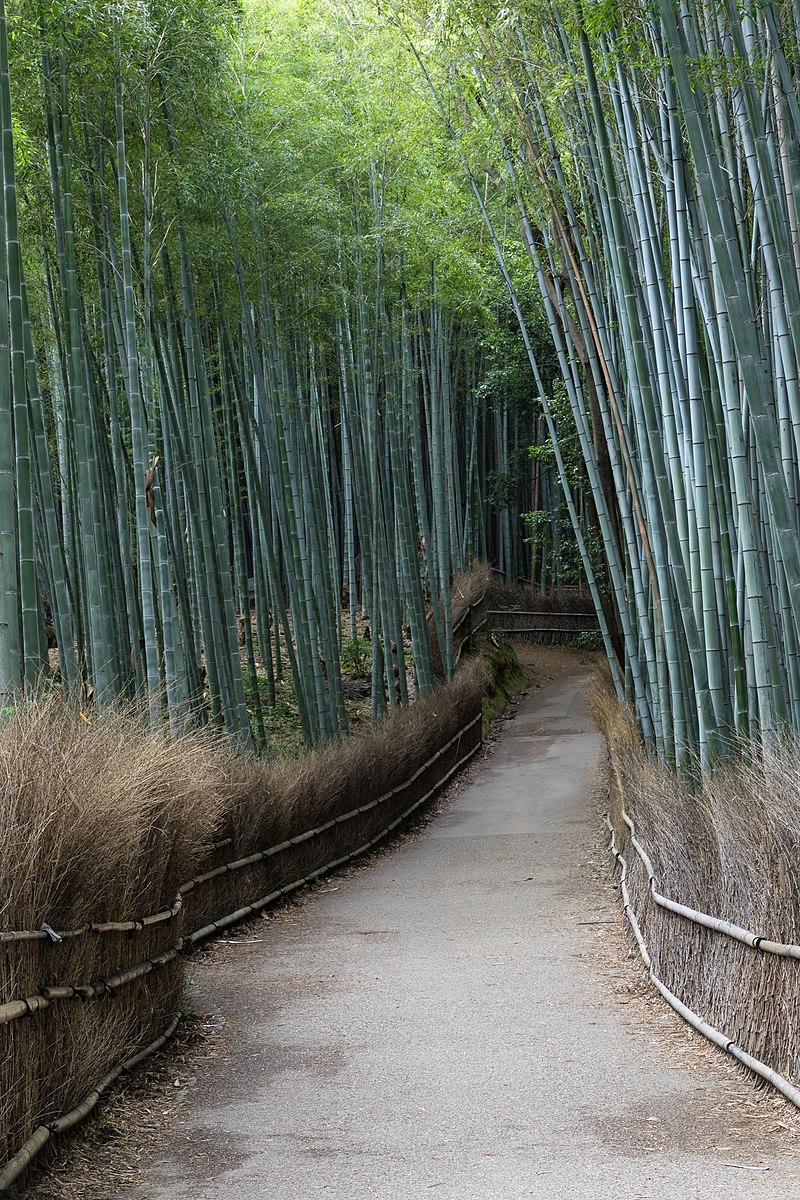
(470, 589)
(99, 822)
(468, 604)
(500, 595)
(271, 801)
(729, 847)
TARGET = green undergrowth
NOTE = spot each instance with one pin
(280, 709)
(355, 656)
(282, 722)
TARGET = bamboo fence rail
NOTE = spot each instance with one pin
(42, 1134)
(757, 941)
(714, 1035)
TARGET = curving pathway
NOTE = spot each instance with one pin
(459, 1019)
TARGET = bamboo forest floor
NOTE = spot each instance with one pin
(460, 1017)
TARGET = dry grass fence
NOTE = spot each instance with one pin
(501, 595)
(729, 849)
(483, 602)
(523, 614)
(120, 850)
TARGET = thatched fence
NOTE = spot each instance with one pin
(542, 625)
(154, 847)
(524, 615)
(710, 879)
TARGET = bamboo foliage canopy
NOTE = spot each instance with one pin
(256, 368)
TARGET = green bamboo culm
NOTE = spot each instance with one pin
(653, 164)
(11, 650)
(222, 472)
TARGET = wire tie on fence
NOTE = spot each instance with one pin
(33, 1012)
(757, 943)
(51, 933)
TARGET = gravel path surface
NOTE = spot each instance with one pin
(461, 1019)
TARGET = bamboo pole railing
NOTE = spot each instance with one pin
(718, 1038)
(42, 1134)
(756, 941)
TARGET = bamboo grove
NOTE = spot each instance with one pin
(244, 367)
(650, 151)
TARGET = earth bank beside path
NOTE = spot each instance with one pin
(459, 1018)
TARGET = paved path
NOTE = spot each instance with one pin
(445, 1023)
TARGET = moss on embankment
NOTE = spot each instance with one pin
(505, 676)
